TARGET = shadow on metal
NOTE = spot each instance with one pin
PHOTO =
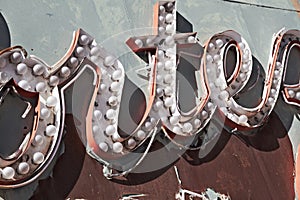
(4, 34)
(67, 168)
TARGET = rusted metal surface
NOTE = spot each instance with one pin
(296, 5)
(259, 167)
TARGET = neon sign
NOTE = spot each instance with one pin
(218, 82)
(223, 68)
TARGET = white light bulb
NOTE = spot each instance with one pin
(8, 173)
(38, 140)
(103, 146)
(243, 119)
(141, 134)
(109, 61)
(97, 114)
(169, 18)
(51, 101)
(95, 51)
(38, 158)
(79, 52)
(111, 114)
(117, 147)
(53, 81)
(139, 43)
(40, 87)
(23, 168)
(21, 68)
(131, 143)
(110, 130)
(38, 69)
(73, 62)
(84, 40)
(16, 57)
(117, 75)
(65, 72)
(51, 130)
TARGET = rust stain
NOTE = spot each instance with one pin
(296, 5)
(297, 168)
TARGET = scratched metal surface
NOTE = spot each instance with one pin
(263, 169)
